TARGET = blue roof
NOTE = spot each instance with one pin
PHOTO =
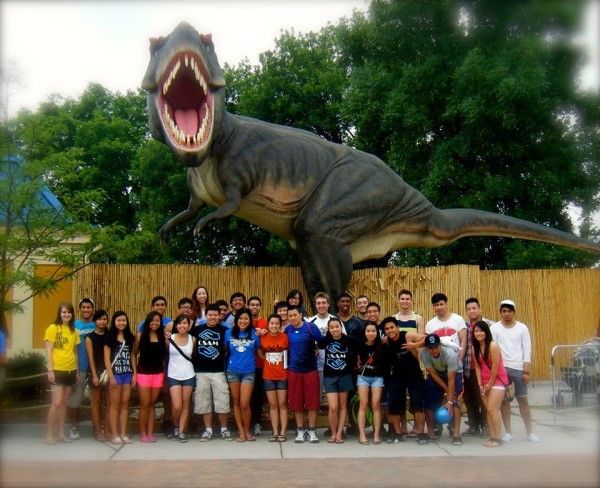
(46, 197)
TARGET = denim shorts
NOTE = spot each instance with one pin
(515, 376)
(434, 394)
(235, 377)
(372, 381)
(338, 384)
(272, 385)
(123, 378)
(189, 382)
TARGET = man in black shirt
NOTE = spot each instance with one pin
(209, 365)
(404, 373)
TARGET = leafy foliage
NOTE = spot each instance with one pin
(463, 99)
(33, 230)
(471, 102)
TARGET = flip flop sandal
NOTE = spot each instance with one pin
(273, 438)
(339, 441)
(281, 438)
(331, 440)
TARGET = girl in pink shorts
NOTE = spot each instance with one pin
(491, 376)
(151, 350)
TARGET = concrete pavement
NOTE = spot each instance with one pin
(567, 455)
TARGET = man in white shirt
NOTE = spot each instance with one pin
(515, 344)
(449, 327)
(321, 320)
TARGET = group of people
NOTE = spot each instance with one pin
(214, 357)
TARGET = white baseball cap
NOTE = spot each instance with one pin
(508, 303)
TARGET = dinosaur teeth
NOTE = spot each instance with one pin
(190, 65)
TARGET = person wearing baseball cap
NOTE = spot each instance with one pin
(515, 345)
(444, 370)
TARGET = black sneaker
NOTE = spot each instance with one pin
(422, 439)
(437, 430)
(395, 439)
(174, 434)
(472, 431)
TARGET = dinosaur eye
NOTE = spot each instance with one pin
(156, 43)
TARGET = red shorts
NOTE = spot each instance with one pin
(303, 391)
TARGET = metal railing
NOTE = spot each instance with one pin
(575, 372)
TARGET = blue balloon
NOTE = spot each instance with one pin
(443, 415)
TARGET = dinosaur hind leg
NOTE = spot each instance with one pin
(326, 265)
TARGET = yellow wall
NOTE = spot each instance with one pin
(44, 308)
(9, 321)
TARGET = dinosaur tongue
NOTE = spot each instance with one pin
(187, 120)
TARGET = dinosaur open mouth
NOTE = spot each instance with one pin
(185, 103)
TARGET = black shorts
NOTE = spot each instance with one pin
(396, 396)
(65, 378)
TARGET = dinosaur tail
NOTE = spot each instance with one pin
(452, 224)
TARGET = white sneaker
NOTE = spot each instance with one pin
(299, 436)
(74, 434)
(206, 436)
(312, 437)
(533, 437)
(506, 437)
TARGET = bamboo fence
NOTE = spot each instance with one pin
(559, 306)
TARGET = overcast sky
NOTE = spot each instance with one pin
(61, 46)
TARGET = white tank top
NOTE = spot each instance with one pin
(179, 367)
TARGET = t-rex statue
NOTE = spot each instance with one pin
(335, 204)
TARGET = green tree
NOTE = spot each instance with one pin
(34, 228)
(464, 100)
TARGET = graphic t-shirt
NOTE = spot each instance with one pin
(63, 346)
(275, 348)
(321, 324)
(83, 329)
(241, 351)
(123, 362)
(371, 360)
(340, 356)
(447, 330)
(210, 348)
